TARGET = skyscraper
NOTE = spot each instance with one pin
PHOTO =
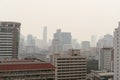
(45, 35)
(117, 53)
(9, 39)
(93, 41)
(45, 38)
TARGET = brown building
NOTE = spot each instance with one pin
(26, 70)
(9, 40)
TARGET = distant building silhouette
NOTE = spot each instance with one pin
(106, 41)
(30, 44)
(45, 38)
(61, 41)
(22, 44)
(93, 41)
(85, 45)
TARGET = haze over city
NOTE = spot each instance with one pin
(83, 18)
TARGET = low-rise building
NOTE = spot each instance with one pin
(23, 70)
(101, 75)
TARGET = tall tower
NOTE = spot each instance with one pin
(93, 41)
(45, 34)
(116, 44)
(9, 40)
(45, 37)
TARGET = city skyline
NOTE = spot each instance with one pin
(83, 18)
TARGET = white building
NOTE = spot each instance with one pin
(117, 53)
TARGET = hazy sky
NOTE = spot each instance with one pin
(82, 18)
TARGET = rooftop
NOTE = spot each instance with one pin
(29, 66)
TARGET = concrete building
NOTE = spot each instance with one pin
(101, 75)
(45, 38)
(117, 53)
(106, 59)
(9, 39)
(26, 70)
(70, 66)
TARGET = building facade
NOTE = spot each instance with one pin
(116, 43)
(106, 59)
(101, 75)
(27, 71)
(70, 66)
(9, 39)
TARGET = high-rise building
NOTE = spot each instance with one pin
(85, 45)
(22, 44)
(9, 39)
(30, 40)
(30, 46)
(56, 46)
(45, 34)
(66, 38)
(106, 41)
(106, 59)
(70, 66)
(93, 41)
(117, 53)
(60, 41)
(45, 38)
